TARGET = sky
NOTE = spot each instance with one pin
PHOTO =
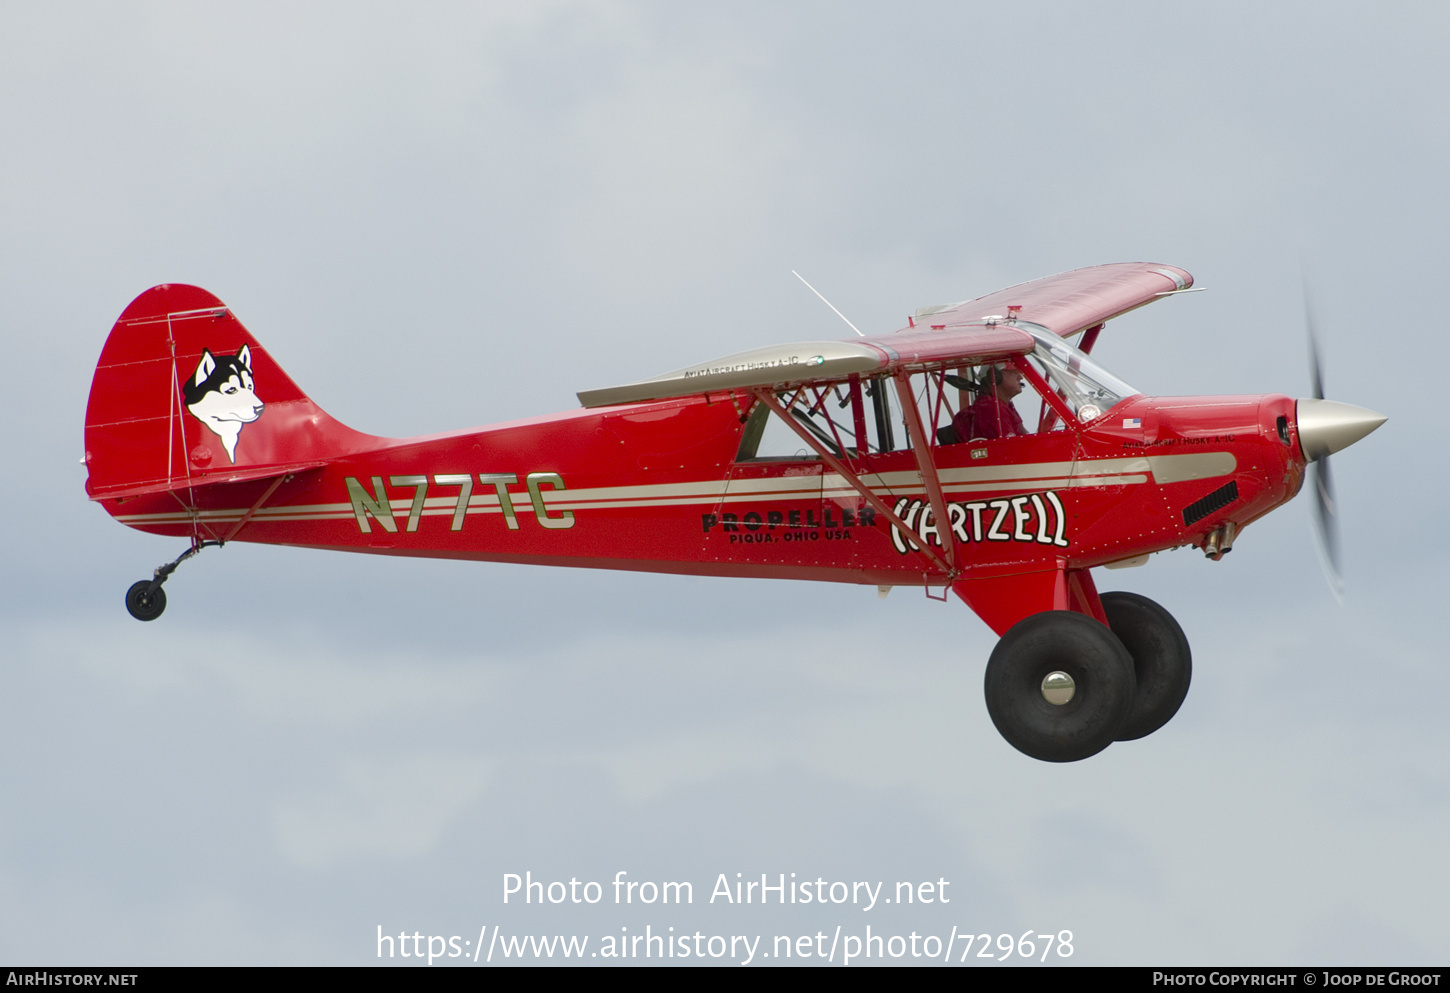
(447, 215)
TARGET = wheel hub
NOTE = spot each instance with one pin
(1058, 688)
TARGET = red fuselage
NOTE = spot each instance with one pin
(657, 486)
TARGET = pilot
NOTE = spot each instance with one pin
(992, 415)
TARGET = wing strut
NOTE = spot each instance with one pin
(926, 467)
(768, 397)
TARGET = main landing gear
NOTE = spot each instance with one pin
(1061, 687)
(145, 600)
(1162, 663)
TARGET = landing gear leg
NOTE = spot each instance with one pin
(1059, 686)
(1162, 662)
(146, 599)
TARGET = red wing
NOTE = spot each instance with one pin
(782, 366)
(1070, 301)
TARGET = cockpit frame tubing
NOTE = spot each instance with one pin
(926, 467)
(858, 415)
(825, 394)
(939, 378)
(768, 397)
(1045, 390)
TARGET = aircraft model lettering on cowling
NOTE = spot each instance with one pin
(889, 460)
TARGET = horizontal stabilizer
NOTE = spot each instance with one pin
(248, 475)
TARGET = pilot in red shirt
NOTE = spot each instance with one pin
(993, 415)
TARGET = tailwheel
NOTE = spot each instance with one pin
(1162, 663)
(1059, 686)
(146, 600)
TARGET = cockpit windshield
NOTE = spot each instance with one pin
(1087, 387)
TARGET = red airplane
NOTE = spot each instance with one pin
(888, 460)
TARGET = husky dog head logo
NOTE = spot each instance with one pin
(219, 394)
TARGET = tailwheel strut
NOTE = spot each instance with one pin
(145, 600)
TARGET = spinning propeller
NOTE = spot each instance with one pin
(1325, 427)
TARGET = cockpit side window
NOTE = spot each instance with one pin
(848, 419)
(824, 411)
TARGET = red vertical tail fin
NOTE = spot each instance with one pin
(184, 396)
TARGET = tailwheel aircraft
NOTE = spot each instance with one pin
(980, 450)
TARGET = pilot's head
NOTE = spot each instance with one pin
(1004, 381)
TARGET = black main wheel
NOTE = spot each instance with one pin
(144, 603)
(1162, 663)
(1059, 686)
